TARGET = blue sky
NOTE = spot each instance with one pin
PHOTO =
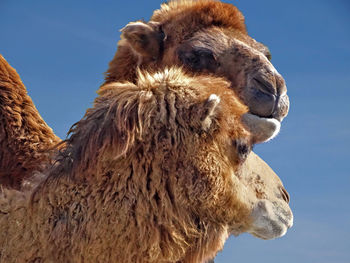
(62, 48)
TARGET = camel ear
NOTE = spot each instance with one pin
(145, 39)
(209, 109)
(262, 129)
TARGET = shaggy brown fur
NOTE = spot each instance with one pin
(145, 177)
(155, 171)
(208, 37)
(24, 135)
(175, 31)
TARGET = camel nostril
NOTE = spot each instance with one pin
(285, 194)
(265, 85)
(280, 85)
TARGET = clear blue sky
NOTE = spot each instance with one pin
(61, 49)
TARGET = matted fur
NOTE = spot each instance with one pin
(24, 135)
(140, 180)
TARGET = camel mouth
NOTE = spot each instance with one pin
(271, 220)
(270, 117)
(273, 125)
(263, 103)
(257, 235)
(262, 128)
(275, 230)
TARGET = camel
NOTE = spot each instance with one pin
(157, 171)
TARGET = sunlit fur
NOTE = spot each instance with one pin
(153, 172)
(140, 179)
(24, 135)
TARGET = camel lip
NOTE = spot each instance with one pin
(268, 236)
(267, 118)
(258, 236)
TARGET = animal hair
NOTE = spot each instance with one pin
(141, 179)
(24, 135)
(181, 18)
(150, 173)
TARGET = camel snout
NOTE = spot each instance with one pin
(266, 94)
(271, 219)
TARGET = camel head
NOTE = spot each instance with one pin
(205, 37)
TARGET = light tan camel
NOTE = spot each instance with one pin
(159, 171)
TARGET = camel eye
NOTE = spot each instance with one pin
(191, 59)
(268, 55)
(198, 58)
(243, 149)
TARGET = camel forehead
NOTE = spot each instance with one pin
(204, 22)
(220, 39)
(208, 38)
(184, 17)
